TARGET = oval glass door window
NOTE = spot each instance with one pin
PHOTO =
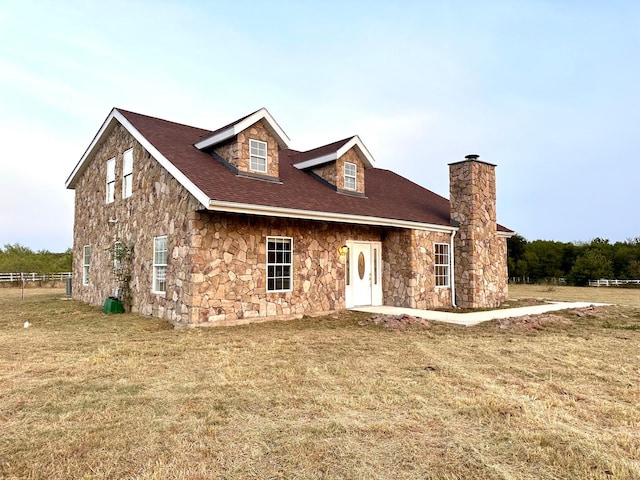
(361, 265)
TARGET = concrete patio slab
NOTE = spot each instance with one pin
(474, 318)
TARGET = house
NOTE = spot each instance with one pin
(232, 225)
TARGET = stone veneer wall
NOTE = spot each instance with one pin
(480, 254)
(408, 276)
(229, 268)
(159, 205)
(237, 153)
(216, 271)
(333, 172)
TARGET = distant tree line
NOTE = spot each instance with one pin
(17, 258)
(577, 263)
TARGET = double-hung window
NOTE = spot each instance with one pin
(127, 173)
(279, 264)
(258, 156)
(86, 264)
(442, 264)
(111, 180)
(160, 264)
(350, 176)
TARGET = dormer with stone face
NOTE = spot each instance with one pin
(340, 164)
(249, 146)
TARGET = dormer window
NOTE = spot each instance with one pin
(350, 176)
(258, 156)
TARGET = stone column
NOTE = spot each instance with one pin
(473, 208)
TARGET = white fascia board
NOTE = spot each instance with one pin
(235, 129)
(155, 153)
(506, 234)
(250, 209)
(162, 160)
(316, 161)
(355, 141)
(106, 125)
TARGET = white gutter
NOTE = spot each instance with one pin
(453, 271)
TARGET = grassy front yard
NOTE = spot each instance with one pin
(88, 395)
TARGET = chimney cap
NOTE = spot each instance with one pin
(472, 157)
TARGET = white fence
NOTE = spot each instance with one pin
(34, 277)
(611, 283)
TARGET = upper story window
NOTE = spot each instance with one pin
(258, 156)
(442, 264)
(127, 173)
(111, 180)
(350, 176)
(279, 264)
(86, 264)
(160, 264)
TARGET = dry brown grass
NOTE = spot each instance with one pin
(87, 395)
(615, 295)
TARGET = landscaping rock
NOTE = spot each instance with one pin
(397, 322)
(532, 322)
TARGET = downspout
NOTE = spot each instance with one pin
(452, 272)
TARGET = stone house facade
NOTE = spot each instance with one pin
(232, 225)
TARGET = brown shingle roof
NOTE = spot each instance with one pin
(388, 195)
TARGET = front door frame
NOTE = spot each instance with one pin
(374, 272)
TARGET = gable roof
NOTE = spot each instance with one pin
(231, 130)
(391, 200)
(332, 152)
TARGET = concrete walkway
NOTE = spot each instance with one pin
(474, 318)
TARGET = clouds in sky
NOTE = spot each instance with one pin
(547, 90)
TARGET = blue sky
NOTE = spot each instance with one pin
(547, 90)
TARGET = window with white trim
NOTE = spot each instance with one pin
(111, 180)
(350, 175)
(258, 156)
(160, 264)
(127, 173)
(279, 264)
(442, 264)
(86, 264)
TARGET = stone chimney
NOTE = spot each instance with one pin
(479, 255)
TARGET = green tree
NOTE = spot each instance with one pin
(18, 258)
(590, 266)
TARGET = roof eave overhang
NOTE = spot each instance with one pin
(369, 161)
(263, 210)
(506, 234)
(107, 126)
(233, 130)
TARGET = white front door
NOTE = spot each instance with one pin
(361, 274)
(364, 286)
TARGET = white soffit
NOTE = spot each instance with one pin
(354, 142)
(236, 128)
(252, 209)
